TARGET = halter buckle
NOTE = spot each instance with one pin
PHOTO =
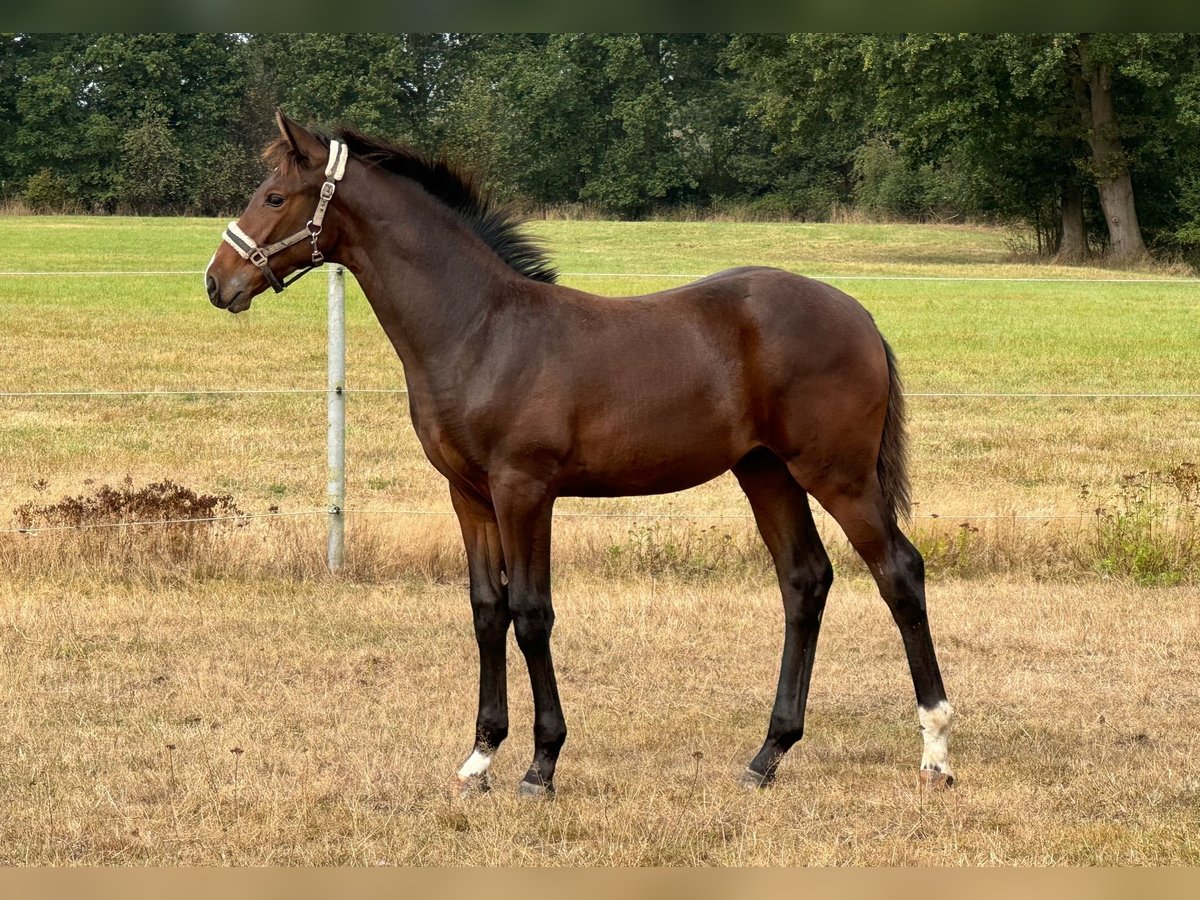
(257, 257)
(327, 190)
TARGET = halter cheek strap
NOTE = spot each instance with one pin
(249, 250)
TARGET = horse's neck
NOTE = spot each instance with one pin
(429, 279)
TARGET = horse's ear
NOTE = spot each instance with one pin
(305, 144)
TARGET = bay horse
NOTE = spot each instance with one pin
(522, 390)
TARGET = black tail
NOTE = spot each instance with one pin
(892, 466)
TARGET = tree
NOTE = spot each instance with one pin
(815, 101)
(14, 49)
(626, 121)
(199, 87)
(530, 112)
(993, 114)
(57, 129)
(725, 151)
(1110, 164)
(79, 95)
(641, 165)
(151, 169)
(1093, 139)
(391, 84)
(1068, 121)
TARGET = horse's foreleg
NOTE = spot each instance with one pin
(489, 607)
(524, 509)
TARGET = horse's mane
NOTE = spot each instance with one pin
(496, 225)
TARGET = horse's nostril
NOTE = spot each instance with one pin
(211, 284)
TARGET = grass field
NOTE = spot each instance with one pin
(1067, 650)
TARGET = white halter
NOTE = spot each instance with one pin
(247, 249)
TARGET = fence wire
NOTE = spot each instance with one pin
(37, 531)
(689, 517)
(681, 516)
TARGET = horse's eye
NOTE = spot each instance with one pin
(275, 200)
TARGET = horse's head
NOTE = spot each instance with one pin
(280, 231)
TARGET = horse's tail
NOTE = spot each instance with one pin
(892, 465)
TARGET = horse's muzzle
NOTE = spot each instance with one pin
(237, 302)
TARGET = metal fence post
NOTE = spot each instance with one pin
(336, 438)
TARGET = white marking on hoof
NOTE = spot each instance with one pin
(477, 764)
(936, 725)
(474, 777)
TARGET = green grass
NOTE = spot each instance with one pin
(159, 332)
(956, 335)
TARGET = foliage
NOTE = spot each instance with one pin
(886, 183)
(46, 192)
(1147, 528)
(161, 501)
(217, 182)
(151, 167)
(799, 125)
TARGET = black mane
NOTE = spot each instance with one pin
(498, 226)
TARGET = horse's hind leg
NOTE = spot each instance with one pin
(785, 521)
(899, 571)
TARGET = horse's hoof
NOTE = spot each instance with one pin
(752, 780)
(473, 785)
(933, 780)
(529, 789)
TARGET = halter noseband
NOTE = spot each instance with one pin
(247, 249)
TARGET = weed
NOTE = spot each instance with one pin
(956, 551)
(237, 759)
(1147, 527)
(162, 501)
(160, 529)
(658, 550)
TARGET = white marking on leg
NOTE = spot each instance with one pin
(477, 764)
(936, 724)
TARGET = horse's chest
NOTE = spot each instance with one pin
(449, 447)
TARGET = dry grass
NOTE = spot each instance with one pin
(353, 704)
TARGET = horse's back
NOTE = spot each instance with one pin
(798, 324)
(753, 331)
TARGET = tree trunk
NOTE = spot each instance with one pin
(1072, 247)
(1111, 168)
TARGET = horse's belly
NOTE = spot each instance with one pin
(589, 485)
(651, 467)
